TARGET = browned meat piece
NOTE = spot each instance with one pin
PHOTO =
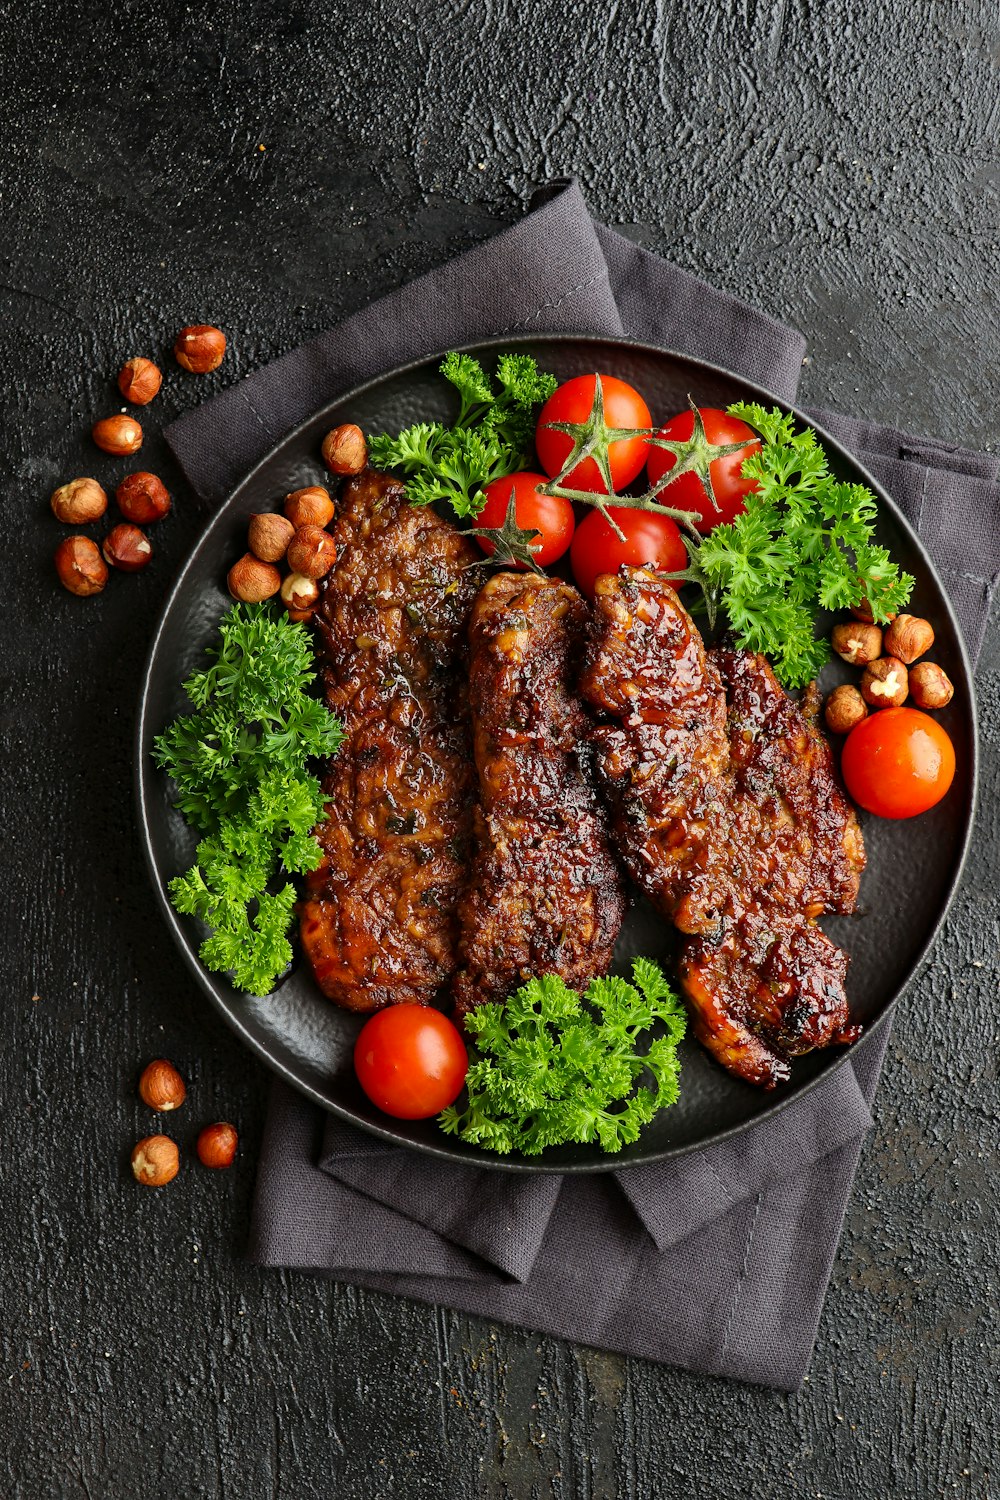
(378, 923)
(546, 895)
(727, 813)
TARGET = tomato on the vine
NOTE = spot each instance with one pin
(728, 485)
(550, 515)
(411, 1061)
(651, 540)
(898, 762)
(573, 402)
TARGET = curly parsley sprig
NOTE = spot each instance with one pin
(557, 1067)
(239, 765)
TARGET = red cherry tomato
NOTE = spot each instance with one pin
(898, 762)
(410, 1061)
(549, 514)
(573, 402)
(728, 484)
(651, 541)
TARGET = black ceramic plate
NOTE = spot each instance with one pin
(913, 866)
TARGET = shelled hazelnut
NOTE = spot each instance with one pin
(312, 551)
(161, 1087)
(79, 502)
(268, 536)
(142, 498)
(884, 683)
(309, 507)
(252, 581)
(126, 548)
(199, 348)
(139, 380)
(118, 435)
(299, 593)
(217, 1144)
(909, 637)
(844, 708)
(859, 643)
(930, 686)
(155, 1160)
(345, 450)
(80, 567)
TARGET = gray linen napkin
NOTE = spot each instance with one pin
(718, 1262)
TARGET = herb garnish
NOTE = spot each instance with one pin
(239, 765)
(556, 1067)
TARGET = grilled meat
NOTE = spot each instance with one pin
(546, 895)
(378, 923)
(727, 813)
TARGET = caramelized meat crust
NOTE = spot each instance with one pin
(546, 894)
(727, 813)
(378, 922)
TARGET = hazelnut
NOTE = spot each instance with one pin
(126, 548)
(299, 593)
(155, 1160)
(909, 637)
(199, 348)
(312, 551)
(80, 566)
(117, 435)
(863, 612)
(79, 501)
(217, 1145)
(269, 535)
(930, 687)
(345, 450)
(142, 498)
(299, 616)
(309, 507)
(859, 644)
(139, 380)
(161, 1086)
(252, 581)
(883, 683)
(844, 708)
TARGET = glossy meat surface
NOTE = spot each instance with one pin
(727, 813)
(378, 923)
(546, 894)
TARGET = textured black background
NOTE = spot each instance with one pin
(832, 162)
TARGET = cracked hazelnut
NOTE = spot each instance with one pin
(299, 592)
(126, 548)
(199, 348)
(312, 551)
(161, 1086)
(252, 581)
(155, 1160)
(217, 1145)
(908, 637)
(80, 566)
(268, 536)
(139, 380)
(309, 507)
(142, 498)
(844, 708)
(884, 683)
(118, 435)
(345, 450)
(930, 687)
(859, 644)
(79, 501)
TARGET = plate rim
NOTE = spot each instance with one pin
(610, 1163)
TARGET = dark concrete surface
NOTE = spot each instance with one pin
(835, 163)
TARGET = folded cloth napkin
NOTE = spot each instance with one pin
(718, 1262)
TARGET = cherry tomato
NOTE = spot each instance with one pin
(573, 402)
(533, 511)
(898, 762)
(410, 1061)
(728, 484)
(651, 541)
